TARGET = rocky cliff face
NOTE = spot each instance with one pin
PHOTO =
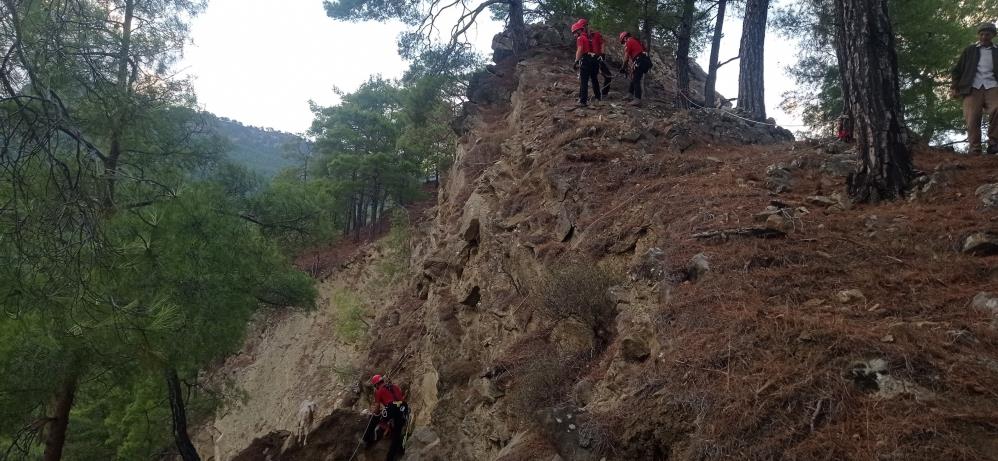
(637, 283)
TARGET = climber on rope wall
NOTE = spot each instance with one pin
(585, 63)
(636, 64)
(389, 415)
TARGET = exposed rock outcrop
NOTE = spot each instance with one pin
(807, 333)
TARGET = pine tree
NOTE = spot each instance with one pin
(871, 78)
(710, 86)
(751, 66)
(684, 36)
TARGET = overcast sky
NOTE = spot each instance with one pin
(261, 61)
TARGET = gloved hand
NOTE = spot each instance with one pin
(576, 65)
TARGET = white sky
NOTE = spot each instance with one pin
(261, 61)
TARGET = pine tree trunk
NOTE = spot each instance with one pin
(648, 24)
(871, 77)
(683, 55)
(124, 85)
(179, 416)
(517, 29)
(55, 440)
(710, 87)
(843, 59)
(751, 66)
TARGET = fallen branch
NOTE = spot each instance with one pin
(758, 232)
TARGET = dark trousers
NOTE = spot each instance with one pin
(588, 73)
(396, 418)
(642, 64)
(607, 75)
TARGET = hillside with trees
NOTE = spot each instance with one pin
(679, 278)
(261, 150)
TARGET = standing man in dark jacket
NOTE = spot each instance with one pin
(974, 79)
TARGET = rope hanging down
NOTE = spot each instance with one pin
(727, 112)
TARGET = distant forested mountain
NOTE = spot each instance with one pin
(262, 150)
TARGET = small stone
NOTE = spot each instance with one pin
(822, 200)
(698, 267)
(631, 136)
(981, 244)
(571, 427)
(681, 143)
(814, 302)
(887, 339)
(986, 302)
(850, 296)
(988, 194)
(779, 222)
(805, 336)
(652, 266)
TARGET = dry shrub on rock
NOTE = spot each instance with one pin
(578, 290)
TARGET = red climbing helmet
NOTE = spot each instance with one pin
(579, 25)
(375, 380)
(624, 35)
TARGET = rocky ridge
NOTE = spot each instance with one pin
(638, 283)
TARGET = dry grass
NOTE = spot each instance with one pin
(769, 368)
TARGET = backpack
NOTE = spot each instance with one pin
(595, 38)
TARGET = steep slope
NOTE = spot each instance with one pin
(635, 283)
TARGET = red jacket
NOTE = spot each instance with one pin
(633, 48)
(388, 394)
(584, 43)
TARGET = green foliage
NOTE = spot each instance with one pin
(116, 263)
(395, 261)
(930, 35)
(296, 214)
(350, 313)
(376, 146)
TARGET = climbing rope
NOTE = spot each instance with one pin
(398, 365)
(733, 114)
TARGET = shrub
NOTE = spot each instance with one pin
(578, 290)
(397, 248)
(350, 312)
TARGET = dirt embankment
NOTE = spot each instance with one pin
(636, 283)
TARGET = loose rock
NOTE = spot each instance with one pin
(986, 302)
(699, 267)
(981, 244)
(652, 266)
(779, 222)
(988, 194)
(850, 296)
(634, 349)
